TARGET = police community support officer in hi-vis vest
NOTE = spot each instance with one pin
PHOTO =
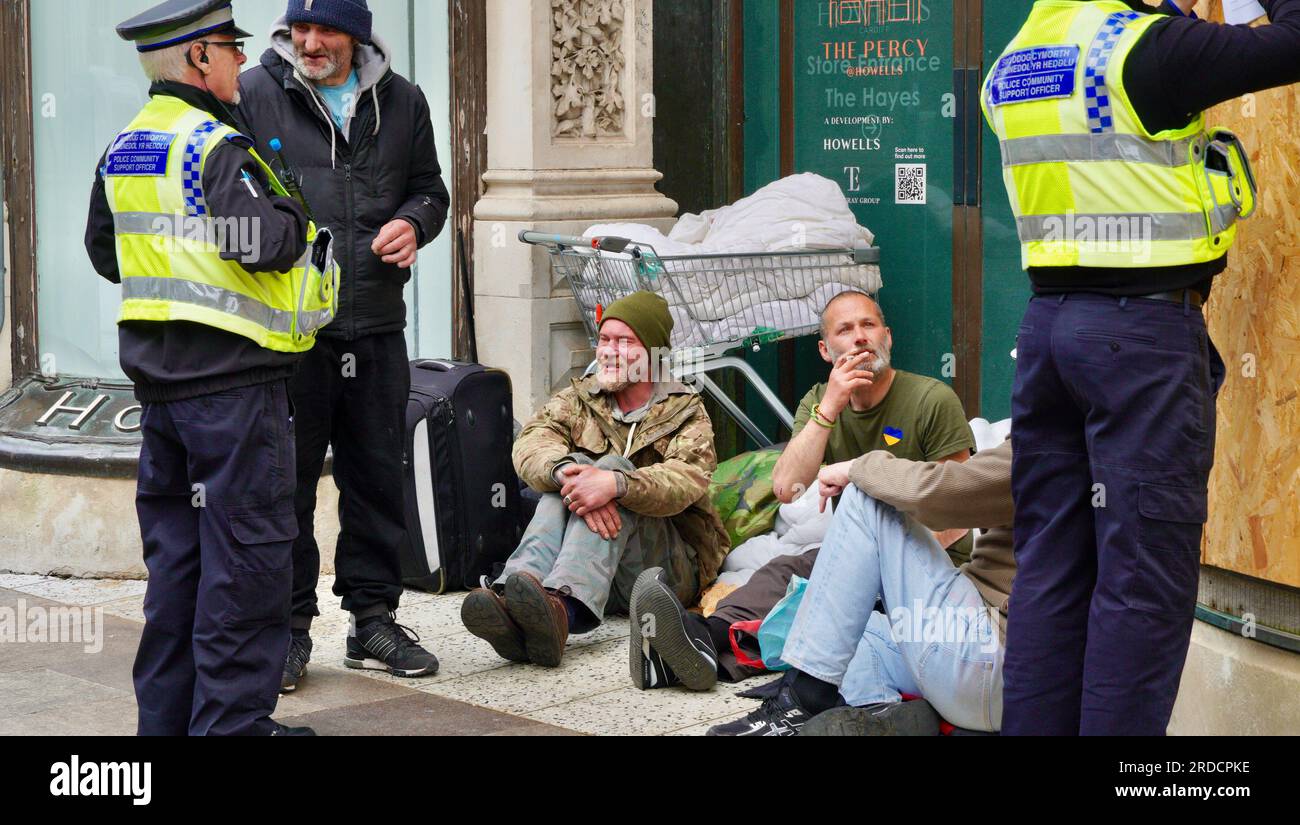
(1126, 207)
(224, 284)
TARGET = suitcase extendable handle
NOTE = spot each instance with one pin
(435, 366)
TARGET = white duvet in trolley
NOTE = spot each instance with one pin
(715, 297)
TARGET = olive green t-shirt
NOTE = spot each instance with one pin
(919, 419)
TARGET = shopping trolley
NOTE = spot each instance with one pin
(698, 288)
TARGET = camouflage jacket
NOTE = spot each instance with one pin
(672, 449)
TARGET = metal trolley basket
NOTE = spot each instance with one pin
(713, 298)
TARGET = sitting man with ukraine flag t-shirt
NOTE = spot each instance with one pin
(866, 405)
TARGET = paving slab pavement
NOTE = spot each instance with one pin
(84, 687)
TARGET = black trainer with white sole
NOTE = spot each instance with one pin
(295, 662)
(781, 715)
(665, 647)
(388, 646)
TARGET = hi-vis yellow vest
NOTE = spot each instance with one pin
(1089, 185)
(168, 244)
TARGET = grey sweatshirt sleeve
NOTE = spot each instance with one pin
(941, 495)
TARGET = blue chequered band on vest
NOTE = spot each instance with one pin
(1096, 97)
(192, 169)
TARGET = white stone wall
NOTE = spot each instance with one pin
(87, 528)
(564, 151)
(1236, 687)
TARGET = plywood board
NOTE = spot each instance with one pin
(1254, 319)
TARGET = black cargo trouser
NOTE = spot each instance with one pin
(213, 494)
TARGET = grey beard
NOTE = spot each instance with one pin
(876, 367)
(330, 68)
(617, 384)
(881, 364)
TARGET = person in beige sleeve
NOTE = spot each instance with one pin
(942, 637)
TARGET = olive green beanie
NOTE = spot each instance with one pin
(647, 314)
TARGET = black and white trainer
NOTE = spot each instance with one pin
(388, 646)
(782, 715)
(649, 670)
(295, 662)
(667, 646)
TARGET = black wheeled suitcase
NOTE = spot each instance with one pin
(462, 494)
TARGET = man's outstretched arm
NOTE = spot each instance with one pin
(1184, 66)
(942, 495)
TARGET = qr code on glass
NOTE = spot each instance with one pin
(909, 183)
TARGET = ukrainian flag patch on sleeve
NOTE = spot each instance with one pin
(893, 435)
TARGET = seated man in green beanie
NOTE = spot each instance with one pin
(623, 459)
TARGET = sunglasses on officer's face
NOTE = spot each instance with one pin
(237, 45)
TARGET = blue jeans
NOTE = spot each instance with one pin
(939, 639)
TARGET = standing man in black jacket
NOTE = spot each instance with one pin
(358, 139)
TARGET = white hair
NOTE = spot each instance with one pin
(166, 64)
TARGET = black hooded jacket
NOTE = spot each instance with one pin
(383, 168)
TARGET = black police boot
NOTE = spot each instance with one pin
(285, 730)
(384, 644)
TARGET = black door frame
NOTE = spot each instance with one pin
(19, 184)
(967, 234)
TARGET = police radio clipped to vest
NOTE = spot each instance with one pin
(289, 179)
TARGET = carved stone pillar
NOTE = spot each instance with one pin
(570, 118)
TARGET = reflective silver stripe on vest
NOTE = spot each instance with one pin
(1121, 228)
(163, 224)
(309, 322)
(184, 227)
(208, 296)
(233, 236)
(1101, 147)
(1223, 217)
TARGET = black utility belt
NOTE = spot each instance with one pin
(1174, 296)
(1178, 296)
